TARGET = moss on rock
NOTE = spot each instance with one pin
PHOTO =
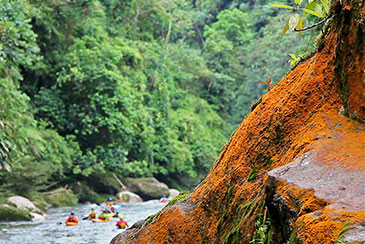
(10, 213)
(61, 198)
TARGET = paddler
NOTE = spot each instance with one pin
(110, 201)
(121, 223)
(103, 216)
(72, 218)
(92, 214)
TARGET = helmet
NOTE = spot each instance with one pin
(72, 214)
(121, 216)
(110, 199)
(92, 209)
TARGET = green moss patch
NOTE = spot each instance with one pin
(61, 199)
(10, 213)
(179, 198)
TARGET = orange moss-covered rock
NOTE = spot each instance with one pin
(295, 166)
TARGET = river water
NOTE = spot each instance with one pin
(54, 230)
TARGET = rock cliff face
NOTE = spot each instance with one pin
(294, 171)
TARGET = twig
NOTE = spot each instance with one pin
(314, 25)
(119, 181)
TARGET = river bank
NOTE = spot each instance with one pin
(54, 230)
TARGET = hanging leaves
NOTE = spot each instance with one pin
(298, 2)
(282, 6)
(293, 21)
(317, 8)
(285, 29)
(313, 12)
(300, 25)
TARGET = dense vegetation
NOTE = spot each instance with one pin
(135, 87)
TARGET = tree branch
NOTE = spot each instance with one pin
(314, 25)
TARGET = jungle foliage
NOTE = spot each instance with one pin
(139, 88)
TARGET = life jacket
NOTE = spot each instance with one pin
(122, 224)
(72, 219)
(92, 214)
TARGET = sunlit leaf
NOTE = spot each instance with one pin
(285, 29)
(292, 55)
(298, 2)
(311, 5)
(325, 6)
(282, 6)
(300, 25)
(293, 21)
(319, 9)
(313, 12)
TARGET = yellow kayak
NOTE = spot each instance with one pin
(100, 220)
(71, 223)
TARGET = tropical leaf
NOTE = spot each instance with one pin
(293, 21)
(292, 56)
(325, 6)
(282, 6)
(298, 2)
(311, 5)
(285, 29)
(313, 12)
(300, 25)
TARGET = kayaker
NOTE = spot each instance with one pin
(103, 216)
(163, 199)
(92, 214)
(113, 210)
(72, 218)
(121, 223)
(110, 201)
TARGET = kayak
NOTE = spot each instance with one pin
(71, 223)
(100, 220)
(111, 215)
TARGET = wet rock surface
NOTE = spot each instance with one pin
(148, 188)
(294, 168)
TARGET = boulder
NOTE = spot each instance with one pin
(127, 196)
(148, 188)
(61, 197)
(23, 203)
(11, 213)
(173, 193)
(38, 217)
(122, 237)
(293, 171)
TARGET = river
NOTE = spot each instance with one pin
(54, 230)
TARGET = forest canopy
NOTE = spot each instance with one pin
(135, 87)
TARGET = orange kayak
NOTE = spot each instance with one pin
(71, 223)
(100, 220)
